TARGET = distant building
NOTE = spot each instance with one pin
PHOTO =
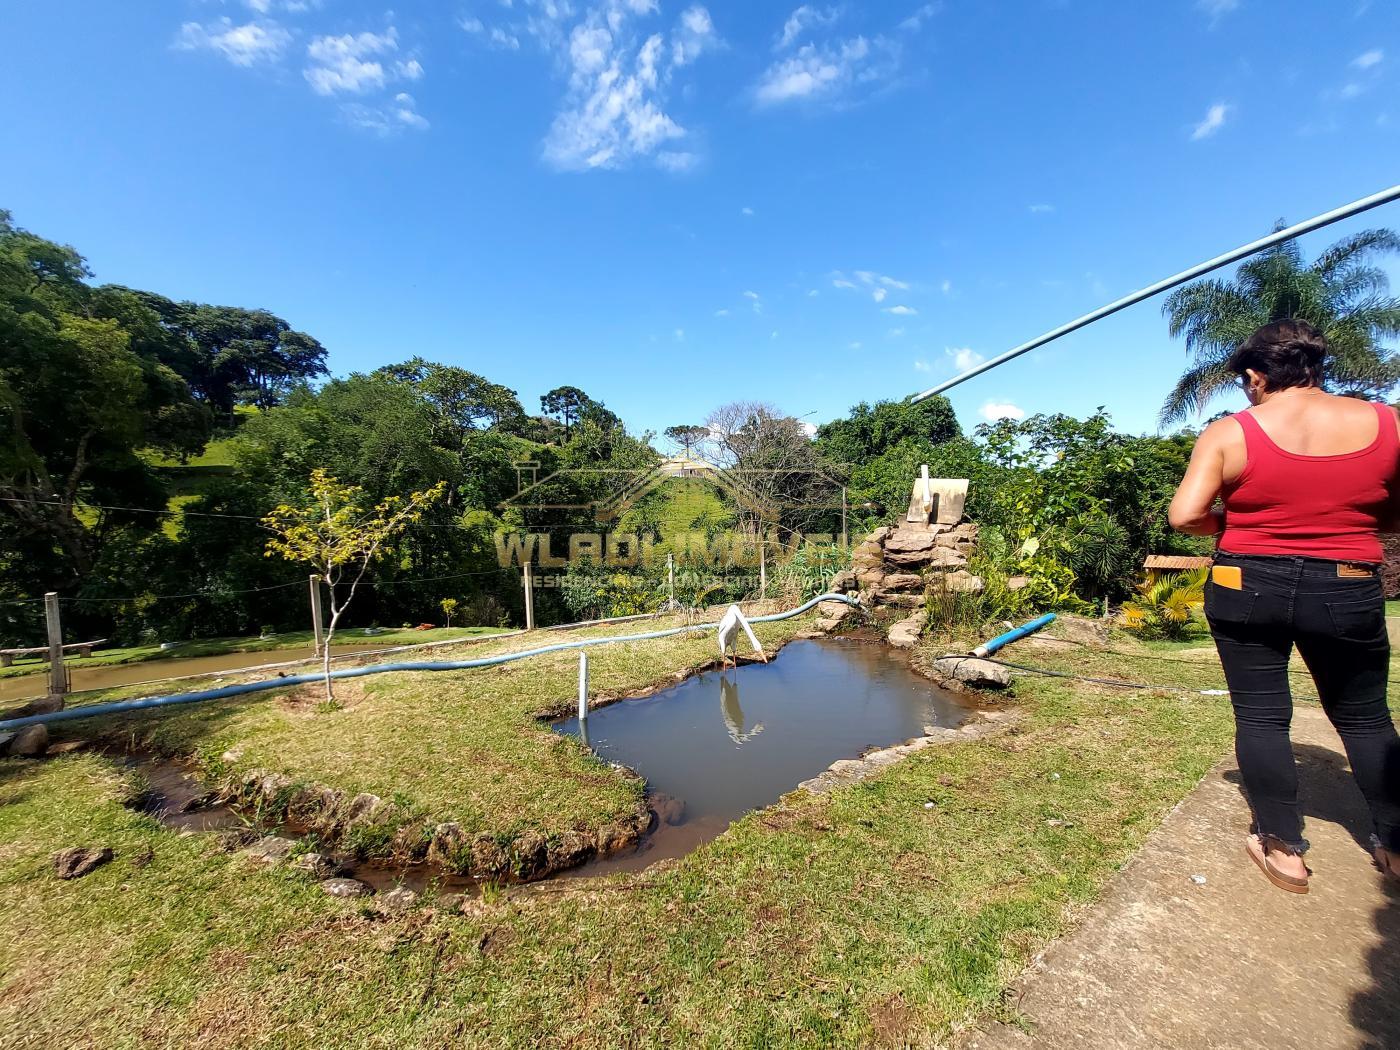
(1157, 564)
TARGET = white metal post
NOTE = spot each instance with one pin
(58, 674)
(318, 628)
(529, 577)
(582, 686)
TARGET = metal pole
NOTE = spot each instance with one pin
(529, 596)
(582, 687)
(58, 674)
(671, 579)
(317, 620)
(844, 538)
(1316, 223)
(762, 568)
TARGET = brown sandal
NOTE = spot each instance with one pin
(1258, 852)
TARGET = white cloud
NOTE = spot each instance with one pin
(810, 429)
(841, 282)
(472, 25)
(1040, 209)
(895, 333)
(946, 287)
(994, 410)
(1214, 120)
(813, 293)
(922, 366)
(826, 71)
(721, 313)
(755, 299)
(1217, 9)
(752, 295)
(615, 110)
(246, 45)
(853, 346)
(879, 295)
(1369, 59)
(294, 7)
(916, 21)
(890, 282)
(352, 63)
(800, 21)
(680, 335)
(963, 358)
(395, 115)
(901, 311)
(745, 211)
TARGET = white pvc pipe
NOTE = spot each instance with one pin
(1315, 223)
(583, 686)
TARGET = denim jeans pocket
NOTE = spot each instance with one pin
(1227, 604)
(1358, 621)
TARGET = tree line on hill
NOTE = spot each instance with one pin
(116, 401)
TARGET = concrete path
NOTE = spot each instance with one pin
(1167, 961)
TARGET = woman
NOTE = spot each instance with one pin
(1306, 480)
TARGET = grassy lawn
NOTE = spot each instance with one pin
(862, 917)
(251, 644)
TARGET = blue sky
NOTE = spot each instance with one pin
(673, 205)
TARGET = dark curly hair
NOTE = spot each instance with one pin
(1286, 353)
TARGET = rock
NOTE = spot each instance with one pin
(528, 854)
(66, 747)
(489, 859)
(903, 581)
(77, 861)
(43, 705)
(959, 582)
(909, 541)
(978, 674)
(1017, 583)
(451, 902)
(843, 581)
(270, 849)
(1080, 629)
(5, 739)
(906, 633)
(450, 846)
(346, 888)
(878, 536)
(360, 808)
(569, 850)
(318, 865)
(400, 898)
(30, 742)
(834, 610)
(668, 810)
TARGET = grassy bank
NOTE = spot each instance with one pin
(282, 641)
(862, 917)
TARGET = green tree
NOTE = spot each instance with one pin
(339, 532)
(686, 436)
(567, 404)
(870, 431)
(1343, 293)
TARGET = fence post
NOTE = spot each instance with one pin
(529, 577)
(671, 579)
(762, 568)
(58, 673)
(317, 621)
(582, 687)
(844, 538)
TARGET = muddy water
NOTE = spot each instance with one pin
(719, 745)
(109, 676)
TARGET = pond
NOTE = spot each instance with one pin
(723, 743)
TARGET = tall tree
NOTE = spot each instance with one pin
(567, 404)
(1343, 293)
(870, 431)
(686, 436)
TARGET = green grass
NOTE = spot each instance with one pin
(858, 918)
(284, 640)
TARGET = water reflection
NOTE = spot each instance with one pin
(733, 713)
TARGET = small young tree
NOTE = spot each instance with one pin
(341, 534)
(449, 608)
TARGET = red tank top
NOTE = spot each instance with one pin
(1314, 506)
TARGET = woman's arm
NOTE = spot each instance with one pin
(1193, 509)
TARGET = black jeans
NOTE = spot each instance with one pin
(1335, 615)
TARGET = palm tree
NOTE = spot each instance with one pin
(1342, 293)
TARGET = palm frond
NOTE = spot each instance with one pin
(1356, 248)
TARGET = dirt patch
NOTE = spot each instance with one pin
(891, 1021)
(307, 700)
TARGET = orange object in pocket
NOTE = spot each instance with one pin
(1227, 576)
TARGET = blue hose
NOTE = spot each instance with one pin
(244, 688)
(987, 648)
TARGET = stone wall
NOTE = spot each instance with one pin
(895, 568)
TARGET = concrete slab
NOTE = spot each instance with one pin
(1190, 946)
